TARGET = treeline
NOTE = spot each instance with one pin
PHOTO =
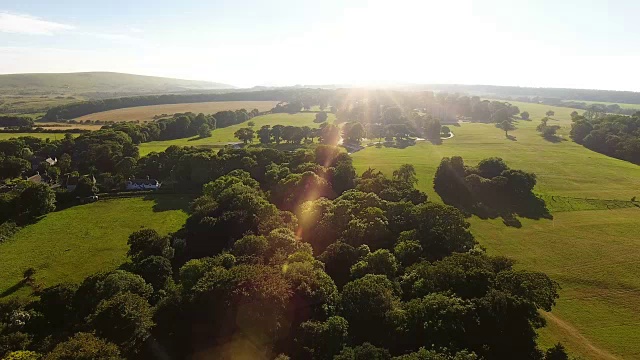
(611, 96)
(613, 135)
(16, 121)
(182, 125)
(74, 110)
(297, 256)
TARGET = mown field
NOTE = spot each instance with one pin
(222, 136)
(52, 136)
(590, 247)
(146, 113)
(68, 245)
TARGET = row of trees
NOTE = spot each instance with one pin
(613, 135)
(182, 125)
(15, 121)
(293, 255)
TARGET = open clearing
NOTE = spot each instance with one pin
(52, 136)
(68, 245)
(222, 136)
(146, 113)
(590, 247)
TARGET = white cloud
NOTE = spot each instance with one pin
(26, 24)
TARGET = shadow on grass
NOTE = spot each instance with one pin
(530, 207)
(195, 138)
(400, 144)
(512, 138)
(554, 139)
(19, 285)
(167, 202)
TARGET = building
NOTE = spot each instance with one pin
(143, 184)
(37, 178)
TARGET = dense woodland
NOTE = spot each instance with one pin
(288, 254)
(613, 135)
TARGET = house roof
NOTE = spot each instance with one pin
(144, 181)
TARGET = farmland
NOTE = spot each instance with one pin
(68, 245)
(588, 249)
(146, 113)
(225, 135)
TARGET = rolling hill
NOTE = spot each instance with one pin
(98, 82)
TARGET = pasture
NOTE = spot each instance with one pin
(68, 245)
(590, 247)
(146, 113)
(223, 136)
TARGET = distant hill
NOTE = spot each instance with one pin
(96, 83)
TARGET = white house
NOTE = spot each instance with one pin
(143, 184)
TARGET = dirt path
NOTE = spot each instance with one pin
(579, 339)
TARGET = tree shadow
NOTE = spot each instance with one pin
(400, 144)
(554, 139)
(512, 138)
(19, 285)
(167, 202)
(530, 207)
(195, 138)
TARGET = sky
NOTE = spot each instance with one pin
(593, 44)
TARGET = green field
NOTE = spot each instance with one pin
(222, 136)
(52, 136)
(591, 253)
(68, 245)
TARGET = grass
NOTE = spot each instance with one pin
(52, 136)
(222, 136)
(68, 245)
(146, 113)
(590, 247)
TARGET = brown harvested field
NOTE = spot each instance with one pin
(145, 113)
(53, 125)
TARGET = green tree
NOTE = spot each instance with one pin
(36, 200)
(204, 131)
(84, 346)
(406, 174)
(155, 270)
(244, 134)
(365, 351)
(126, 166)
(366, 304)
(506, 126)
(322, 340)
(550, 113)
(321, 117)
(379, 262)
(524, 115)
(264, 134)
(125, 319)
(355, 133)
(147, 242)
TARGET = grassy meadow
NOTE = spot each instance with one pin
(222, 136)
(146, 113)
(590, 246)
(68, 245)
